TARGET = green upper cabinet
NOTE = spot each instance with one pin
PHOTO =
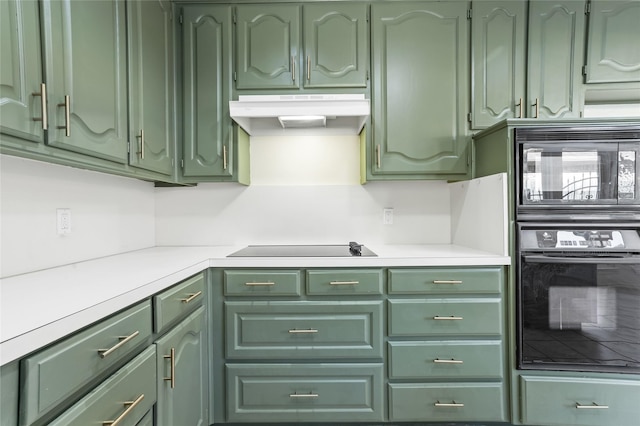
(498, 61)
(21, 100)
(151, 117)
(85, 68)
(556, 56)
(206, 87)
(613, 42)
(420, 89)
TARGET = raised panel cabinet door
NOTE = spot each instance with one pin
(556, 51)
(150, 85)
(267, 46)
(206, 74)
(21, 71)
(335, 45)
(85, 66)
(420, 88)
(183, 374)
(498, 56)
(613, 47)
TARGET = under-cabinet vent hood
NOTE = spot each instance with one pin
(300, 114)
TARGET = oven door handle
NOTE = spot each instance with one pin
(541, 258)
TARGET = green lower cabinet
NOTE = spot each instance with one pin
(182, 362)
(305, 392)
(447, 402)
(579, 401)
(10, 386)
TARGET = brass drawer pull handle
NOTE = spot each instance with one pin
(191, 297)
(450, 318)
(378, 156)
(67, 116)
(447, 281)
(224, 157)
(448, 361)
(43, 106)
(308, 68)
(304, 395)
(303, 331)
(344, 282)
(592, 406)
(448, 404)
(519, 104)
(172, 359)
(293, 69)
(269, 283)
(537, 105)
(141, 137)
(123, 341)
(130, 406)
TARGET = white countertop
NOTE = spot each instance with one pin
(40, 307)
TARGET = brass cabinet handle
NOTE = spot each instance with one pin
(592, 406)
(303, 331)
(448, 361)
(448, 404)
(43, 106)
(224, 157)
(447, 281)
(308, 68)
(123, 341)
(293, 68)
(172, 364)
(537, 105)
(130, 405)
(191, 297)
(304, 395)
(260, 284)
(454, 318)
(519, 104)
(378, 155)
(67, 115)
(344, 282)
(141, 137)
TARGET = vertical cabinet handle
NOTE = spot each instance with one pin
(43, 106)
(130, 405)
(519, 105)
(67, 115)
(308, 68)
(293, 68)
(224, 157)
(378, 155)
(537, 105)
(172, 366)
(141, 137)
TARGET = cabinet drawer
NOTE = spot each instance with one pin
(473, 359)
(299, 330)
(129, 394)
(345, 282)
(445, 280)
(576, 401)
(305, 392)
(262, 283)
(174, 303)
(446, 402)
(53, 374)
(445, 317)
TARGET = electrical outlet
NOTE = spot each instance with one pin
(63, 221)
(387, 216)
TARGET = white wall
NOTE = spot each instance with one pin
(109, 215)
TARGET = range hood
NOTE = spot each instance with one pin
(300, 114)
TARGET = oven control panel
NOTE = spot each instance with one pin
(580, 239)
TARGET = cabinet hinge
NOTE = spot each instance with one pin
(469, 117)
(584, 70)
(367, 74)
(180, 19)
(468, 13)
(587, 8)
(182, 163)
(235, 76)
(128, 147)
(233, 18)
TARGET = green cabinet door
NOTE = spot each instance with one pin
(150, 85)
(613, 42)
(206, 73)
(268, 45)
(498, 61)
(21, 71)
(182, 360)
(335, 45)
(556, 51)
(85, 66)
(420, 88)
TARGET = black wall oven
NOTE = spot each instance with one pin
(578, 249)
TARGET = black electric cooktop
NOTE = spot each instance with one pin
(338, 250)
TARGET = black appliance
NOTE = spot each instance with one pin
(337, 250)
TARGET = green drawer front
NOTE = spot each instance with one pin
(305, 392)
(56, 372)
(474, 359)
(445, 317)
(445, 280)
(262, 283)
(447, 402)
(345, 282)
(574, 401)
(135, 382)
(178, 301)
(303, 330)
